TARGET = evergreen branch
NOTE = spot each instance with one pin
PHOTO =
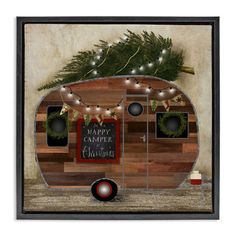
(155, 71)
(104, 58)
(145, 49)
(128, 61)
(88, 72)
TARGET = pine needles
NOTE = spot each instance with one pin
(145, 54)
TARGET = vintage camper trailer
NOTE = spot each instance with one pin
(115, 133)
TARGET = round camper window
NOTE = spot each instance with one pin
(135, 109)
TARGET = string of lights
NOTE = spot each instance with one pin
(97, 58)
(148, 89)
(88, 107)
(135, 83)
(131, 54)
(150, 64)
(133, 71)
(128, 61)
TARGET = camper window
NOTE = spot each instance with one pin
(171, 125)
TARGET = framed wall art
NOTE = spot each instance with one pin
(117, 118)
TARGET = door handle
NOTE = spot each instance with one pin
(143, 138)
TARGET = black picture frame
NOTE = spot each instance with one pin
(22, 21)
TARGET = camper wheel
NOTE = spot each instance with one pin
(104, 189)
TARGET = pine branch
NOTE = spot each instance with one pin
(144, 54)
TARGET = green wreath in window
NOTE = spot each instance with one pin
(169, 132)
(57, 125)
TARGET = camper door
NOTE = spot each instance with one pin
(135, 141)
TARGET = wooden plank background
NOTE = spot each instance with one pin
(169, 160)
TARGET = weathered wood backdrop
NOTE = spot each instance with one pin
(169, 160)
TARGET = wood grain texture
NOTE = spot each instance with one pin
(167, 163)
(72, 179)
(48, 166)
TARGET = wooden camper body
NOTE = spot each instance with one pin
(155, 163)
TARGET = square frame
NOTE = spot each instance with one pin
(79, 159)
(161, 138)
(213, 21)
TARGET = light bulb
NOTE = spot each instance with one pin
(141, 68)
(108, 111)
(98, 57)
(70, 94)
(118, 41)
(133, 71)
(172, 90)
(119, 107)
(127, 81)
(163, 51)
(98, 108)
(137, 85)
(63, 88)
(160, 59)
(93, 63)
(100, 50)
(88, 108)
(125, 38)
(95, 72)
(150, 64)
(109, 44)
(161, 93)
(148, 90)
(77, 101)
